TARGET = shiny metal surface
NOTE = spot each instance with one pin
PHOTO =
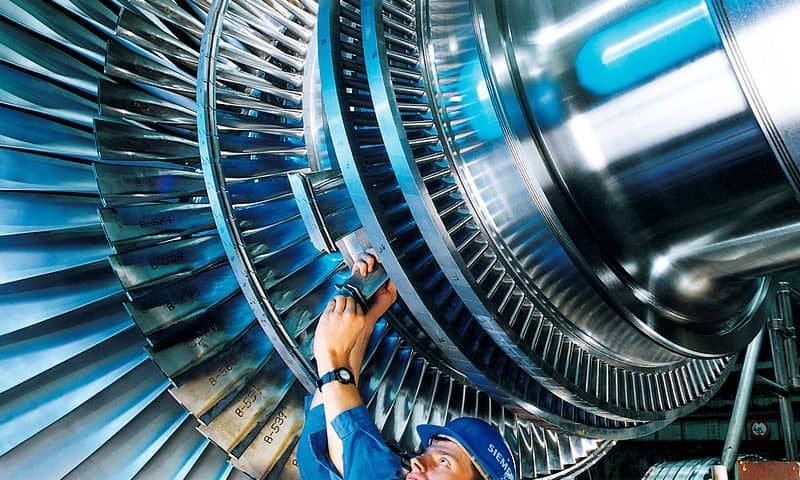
(458, 244)
(741, 404)
(745, 27)
(211, 153)
(362, 156)
(325, 207)
(577, 254)
(189, 306)
(636, 165)
(79, 396)
(695, 469)
(687, 469)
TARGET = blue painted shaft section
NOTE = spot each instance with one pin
(650, 42)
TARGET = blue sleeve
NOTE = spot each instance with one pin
(312, 448)
(365, 453)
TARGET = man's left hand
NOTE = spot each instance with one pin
(340, 327)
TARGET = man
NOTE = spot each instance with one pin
(349, 444)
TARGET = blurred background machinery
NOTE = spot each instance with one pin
(586, 207)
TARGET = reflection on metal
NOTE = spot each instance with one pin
(325, 206)
(699, 469)
(741, 404)
(688, 469)
(579, 249)
(79, 397)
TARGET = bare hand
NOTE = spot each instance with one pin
(386, 295)
(365, 262)
(381, 301)
(341, 326)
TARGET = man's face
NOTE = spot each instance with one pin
(443, 460)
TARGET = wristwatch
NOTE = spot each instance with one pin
(341, 375)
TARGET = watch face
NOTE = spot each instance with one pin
(344, 375)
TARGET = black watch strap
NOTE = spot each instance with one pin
(341, 375)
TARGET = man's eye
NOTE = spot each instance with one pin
(444, 462)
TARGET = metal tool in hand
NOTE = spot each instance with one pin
(363, 288)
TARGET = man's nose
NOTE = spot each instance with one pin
(418, 463)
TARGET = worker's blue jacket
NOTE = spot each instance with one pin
(365, 455)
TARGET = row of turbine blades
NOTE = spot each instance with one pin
(385, 194)
(81, 383)
(79, 396)
(517, 311)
